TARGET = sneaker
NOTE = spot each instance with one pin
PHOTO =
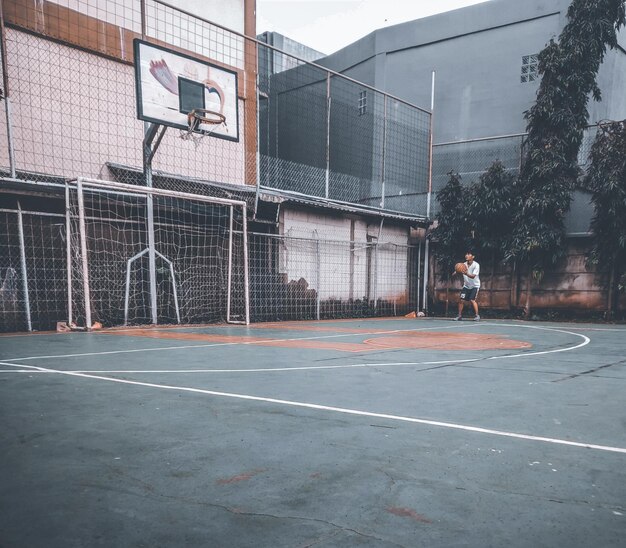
(477, 318)
(458, 319)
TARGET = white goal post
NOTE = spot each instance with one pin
(140, 255)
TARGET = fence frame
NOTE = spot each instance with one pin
(149, 193)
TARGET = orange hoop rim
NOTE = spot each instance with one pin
(205, 116)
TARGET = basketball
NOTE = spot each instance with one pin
(461, 268)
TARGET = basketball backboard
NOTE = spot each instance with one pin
(171, 84)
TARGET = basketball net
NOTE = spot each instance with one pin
(205, 117)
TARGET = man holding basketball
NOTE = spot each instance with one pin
(471, 284)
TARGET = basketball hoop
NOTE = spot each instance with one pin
(198, 117)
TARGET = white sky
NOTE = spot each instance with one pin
(327, 26)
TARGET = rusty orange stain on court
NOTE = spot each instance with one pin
(420, 340)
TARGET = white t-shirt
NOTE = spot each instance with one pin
(474, 268)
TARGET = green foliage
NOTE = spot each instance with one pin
(451, 234)
(606, 180)
(491, 205)
(555, 125)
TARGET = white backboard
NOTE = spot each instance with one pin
(169, 83)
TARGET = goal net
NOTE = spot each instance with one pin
(149, 256)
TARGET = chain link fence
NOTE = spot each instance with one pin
(303, 129)
(81, 256)
(325, 135)
(312, 278)
(33, 277)
(472, 158)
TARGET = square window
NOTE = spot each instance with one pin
(530, 68)
(362, 104)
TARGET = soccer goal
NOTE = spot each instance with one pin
(139, 255)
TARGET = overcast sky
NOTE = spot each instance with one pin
(327, 26)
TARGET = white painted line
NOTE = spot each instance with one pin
(259, 370)
(586, 341)
(238, 343)
(343, 410)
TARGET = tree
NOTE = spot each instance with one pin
(492, 200)
(606, 180)
(451, 233)
(555, 125)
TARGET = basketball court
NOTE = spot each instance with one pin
(378, 432)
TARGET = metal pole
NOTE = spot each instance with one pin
(230, 264)
(83, 252)
(258, 135)
(319, 275)
(175, 288)
(245, 263)
(380, 233)
(7, 100)
(419, 279)
(68, 255)
(327, 186)
(425, 294)
(382, 171)
(20, 225)
(148, 154)
(143, 19)
(430, 147)
(430, 190)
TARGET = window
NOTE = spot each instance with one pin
(362, 102)
(530, 66)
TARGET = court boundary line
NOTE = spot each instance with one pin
(343, 410)
(242, 343)
(247, 343)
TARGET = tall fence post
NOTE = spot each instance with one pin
(20, 225)
(246, 273)
(328, 100)
(68, 254)
(83, 252)
(7, 99)
(384, 154)
(430, 190)
(148, 153)
(230, 263)
(319, 276)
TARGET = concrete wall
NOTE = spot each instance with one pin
(570, 286)
(344, 266)
(74, 111)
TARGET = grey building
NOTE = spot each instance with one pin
(483, 56)
(485, 64)
(324, 134)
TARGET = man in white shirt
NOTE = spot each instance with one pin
(471, 285)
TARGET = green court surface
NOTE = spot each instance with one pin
(390, 432)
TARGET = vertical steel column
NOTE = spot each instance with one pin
(230, 264)
(83, 251)
(419, 279)
(258, 134)
(142, 8)
(245, 263)
(380, 233)
(148, 153)
(68, 254)
(328, 100)
(7, 100)
(20, 226)
(430, 190)
(319, 277)
(382, 170)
